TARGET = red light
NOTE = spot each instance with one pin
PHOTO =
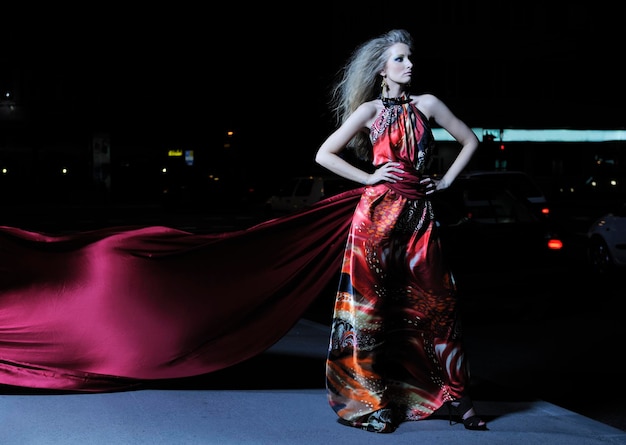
(545, 210)
(555, 244)
(502, 147)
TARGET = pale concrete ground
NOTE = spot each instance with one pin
(252, 404)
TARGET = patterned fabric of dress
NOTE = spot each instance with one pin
(395, 341)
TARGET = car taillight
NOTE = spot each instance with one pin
(545, 211)
(555, 244)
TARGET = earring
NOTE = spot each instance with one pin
(383, 87)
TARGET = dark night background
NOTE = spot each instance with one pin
(179, 76)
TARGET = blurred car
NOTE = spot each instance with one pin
(519, 183)
(493, 236)
(298, 192)
(606, 242)
(583, 200)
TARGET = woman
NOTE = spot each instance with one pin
(395, 352)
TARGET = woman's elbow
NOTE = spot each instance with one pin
(320, 158)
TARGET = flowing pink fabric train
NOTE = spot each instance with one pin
(113, 308)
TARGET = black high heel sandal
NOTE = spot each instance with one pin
(460, 407)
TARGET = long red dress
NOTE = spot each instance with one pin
(395, 349)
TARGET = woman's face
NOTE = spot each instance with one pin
(398, 68)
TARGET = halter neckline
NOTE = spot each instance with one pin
(390, 101)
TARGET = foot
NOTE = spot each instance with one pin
(380, 421)
(465, 409)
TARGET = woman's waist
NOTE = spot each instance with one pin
(407, 192)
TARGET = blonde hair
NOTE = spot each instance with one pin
(359, 81)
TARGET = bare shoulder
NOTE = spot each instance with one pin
(425, 99)
(427, 103)
(366, 112)
(371, 108)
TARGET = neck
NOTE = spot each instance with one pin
(389, 101)
(401, 98)
(394, 91)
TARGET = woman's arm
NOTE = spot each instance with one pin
(440, 113)
(328, 154)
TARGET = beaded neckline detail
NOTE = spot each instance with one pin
(391, 101)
